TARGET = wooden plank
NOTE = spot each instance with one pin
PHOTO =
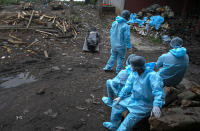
(30, 19)
(10, 27)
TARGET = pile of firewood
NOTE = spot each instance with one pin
(26, 6)
(57, 26)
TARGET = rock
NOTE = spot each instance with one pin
(189, 95)
(58, 128)
(41, 91)
(186, 84)
(82, 120)
(89, 100)
(64, 54)
(50, 113)
(63, 66)
(67, 108)
(4, 68)
(3, 57)
(55, 68)
(171, 95)
(88, 115)
(185, 103)
(19, 117)
(188, 103)
(79, 124)
(70, 69)
(177, 119)
(28, 60)
(81, 108)
(25, 111)
(100, 110)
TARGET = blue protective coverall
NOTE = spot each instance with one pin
(115, 85)
(173, 65)
(139, 96)
(120, 41)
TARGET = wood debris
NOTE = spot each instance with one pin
(34, 42)
(56, 5)
(14, 40)
(46, 54)
(26, 6)
(35, 19)
(196, 88)
(30, 19)
(8, 49)
(27, 19)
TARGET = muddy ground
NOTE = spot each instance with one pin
(67, 88)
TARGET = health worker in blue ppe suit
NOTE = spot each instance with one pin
(115, 85)
(173, 65)
(141, 96)
(120, 41)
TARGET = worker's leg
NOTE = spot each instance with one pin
(116, 117)
(111, 61)
(130, 121)
(120, 60)
(109, 100)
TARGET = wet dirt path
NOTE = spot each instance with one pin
(69, 87)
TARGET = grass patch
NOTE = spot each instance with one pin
(154, 40)
(7, 2)
(92, 1)
(77, 19)
(79, 3)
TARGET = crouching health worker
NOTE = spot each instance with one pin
(115, 85)
(141, 96)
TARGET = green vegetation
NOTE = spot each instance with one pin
(7, 2)
(77, 19)
(92, 1)
(79, 3)
(157, 40)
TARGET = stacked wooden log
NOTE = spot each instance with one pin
(29, 19)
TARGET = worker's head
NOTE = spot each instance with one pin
(137, 64)
(125, 14)
(128, 59)
(122, 76)
(176, 42)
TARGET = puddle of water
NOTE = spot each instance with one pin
(20, 79)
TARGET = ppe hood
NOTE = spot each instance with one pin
(120, 19)
(178, 52)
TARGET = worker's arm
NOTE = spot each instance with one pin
(127, 38)
(159, 63)
(126, 90)
(157, 90)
